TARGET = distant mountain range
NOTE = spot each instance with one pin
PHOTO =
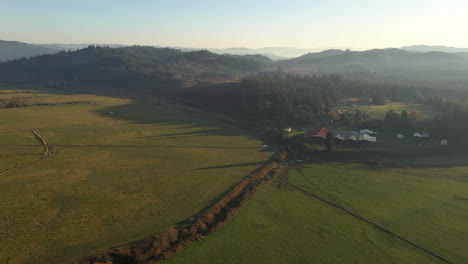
(274, 53)
(10, 50)
(13, 50)
(409, 65)
(425, 48)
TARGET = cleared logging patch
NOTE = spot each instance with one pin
(165, 244)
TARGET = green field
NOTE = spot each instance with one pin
(378, 111)
(283, 225)
(120, 170)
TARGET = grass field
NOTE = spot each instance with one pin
(378, 111)
(281, 225)
(285, 226)
(120, 170)
(420, 204)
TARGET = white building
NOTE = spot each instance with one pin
(367, 131)
(366, 137)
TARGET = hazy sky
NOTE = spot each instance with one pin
(358, 24)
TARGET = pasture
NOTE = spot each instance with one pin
(422, 204)
(282, 225)
(120, 170)
(378, 112)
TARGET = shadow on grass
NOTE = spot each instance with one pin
(204, 132)
(232, 165)
(152, 111)
(374, 159)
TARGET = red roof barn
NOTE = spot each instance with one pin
(321, 132)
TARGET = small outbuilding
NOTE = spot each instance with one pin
(264, 148)
(417, 134)
(288, 129)
(444, 142)
(425, 135)
(400, 136)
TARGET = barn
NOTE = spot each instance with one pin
(318, 133)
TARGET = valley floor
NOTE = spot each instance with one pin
(118, 171)
(284, 225)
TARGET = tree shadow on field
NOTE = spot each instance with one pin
(380, 160)
(177, 116)
(204, 132)
(232, 165)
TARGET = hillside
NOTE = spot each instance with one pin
(317, 55)
(384, 58)
(437, 69)
(10, 50)
(129, 64)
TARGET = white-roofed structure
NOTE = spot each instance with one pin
(366, 137)
(347, 135)
(367, 131)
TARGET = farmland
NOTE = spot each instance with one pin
(121, 169)
(284, 225)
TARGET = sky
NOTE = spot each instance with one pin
(358, 24)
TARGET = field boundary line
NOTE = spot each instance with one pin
(45, 154)
(360, 218)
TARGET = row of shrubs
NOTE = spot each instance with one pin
(15, 102)
(165, 244)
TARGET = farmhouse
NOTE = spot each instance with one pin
(400, 136)
(417, 134)
(444, 142)
(346, 135)
(318, 133)
(288, 129)
(363, 135)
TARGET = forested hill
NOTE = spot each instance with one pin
(397, 66)
(377, 59)
(99, 64)
(10, 50)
